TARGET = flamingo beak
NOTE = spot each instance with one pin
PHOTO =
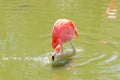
(53, 58)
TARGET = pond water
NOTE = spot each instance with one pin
(25, 40)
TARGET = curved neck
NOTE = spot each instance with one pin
(58, 45)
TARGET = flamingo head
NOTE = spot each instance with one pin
(54, 55)
(53, 58)
(57, 49)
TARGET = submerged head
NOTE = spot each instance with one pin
(54, 55)
(53, 58)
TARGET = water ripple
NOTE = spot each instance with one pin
(110, 69)
(112, 58)
(91, 59)
(44, 59)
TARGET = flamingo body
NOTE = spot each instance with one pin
(63, 31)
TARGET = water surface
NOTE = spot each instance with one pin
(25, 40)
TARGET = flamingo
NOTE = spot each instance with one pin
(63, 31)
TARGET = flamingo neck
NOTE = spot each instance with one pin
(57, 45)
(54, 53)
(58, 48)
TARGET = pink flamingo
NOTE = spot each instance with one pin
(63, 31)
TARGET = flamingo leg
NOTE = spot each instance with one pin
(62, 49)
(60, 55)
(72, 48)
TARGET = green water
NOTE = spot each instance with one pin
(25, 40)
